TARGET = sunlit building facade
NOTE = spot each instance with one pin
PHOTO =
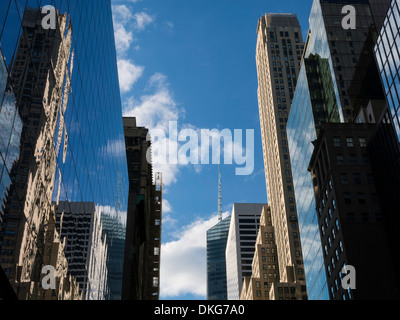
(71, 145)
(240, 247)
(278, 56)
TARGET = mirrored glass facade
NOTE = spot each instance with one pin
(328, 86)
(217, 238)
(387, 53)
(69, 120)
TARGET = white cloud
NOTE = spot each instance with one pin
(142, 20)
(155, 111)
(128, 74)
(184, 263)
(122, 15)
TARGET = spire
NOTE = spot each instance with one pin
(219, 195)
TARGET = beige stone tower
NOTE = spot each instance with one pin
(279, 52)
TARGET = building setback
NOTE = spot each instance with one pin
(217, 238)
(143, 237)
(264, 283)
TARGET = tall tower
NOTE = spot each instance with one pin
(279, 51)
(219, 195)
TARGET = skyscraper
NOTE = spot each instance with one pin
(217, 238)
(264, 283)
(240, 248)
(349, 212)
(141, 271)
(279, 51)
(331, 88)
(72, 142)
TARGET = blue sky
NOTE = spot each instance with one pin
(193, 62)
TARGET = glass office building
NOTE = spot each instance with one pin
(217, 238)
(387, 53)
(69, 117)
(326, 92)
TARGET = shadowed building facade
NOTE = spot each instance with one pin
(337, 79)
(143, 237)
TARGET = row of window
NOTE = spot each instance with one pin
(350, 143)
(353, 160)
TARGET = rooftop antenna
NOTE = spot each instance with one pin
(219, 195)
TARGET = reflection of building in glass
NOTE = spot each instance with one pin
(264, 283)
(386, 142)
(10, 135)
(243, 229)
(143, 231)
(35, 241)
(80, 229)
(322, 93)
(347, 52)
(349, 213)
(72, 141)
(387, 51)
(217, 238)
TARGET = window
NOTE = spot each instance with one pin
(351, 216)
(337, 255)
(336, 142)
(357, 178)
(350, 142)
(363, 142)
(361, 198)
(343, 178)
(347, 198)
(370, 178)
(365, 216)
(353, 160)
(340, 160)
(375, 199)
